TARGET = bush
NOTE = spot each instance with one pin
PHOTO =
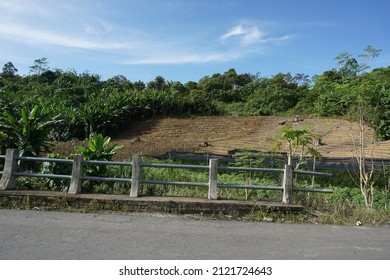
(98, 149)
(56, 168)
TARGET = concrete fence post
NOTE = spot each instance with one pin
(288, 184)
(7, 181)
(135, 176)
(77, 174)
(213, 176)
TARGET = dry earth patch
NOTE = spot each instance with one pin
(219, 134)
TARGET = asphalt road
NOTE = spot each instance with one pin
(57, 235)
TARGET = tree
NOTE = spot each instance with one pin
(302, 80)
(367, 102)
(369, 54)
(9, 70)
(175, 88)
(119, 79)
(298, 141)
(159, 83)
(350, 67)
(365, 164)
(370, 109)
(119, 83)
(139, 85)
(191, 85)
(275, 95)
(40, 66)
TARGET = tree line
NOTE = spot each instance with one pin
(76, 105)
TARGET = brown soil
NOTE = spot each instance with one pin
(221, 134)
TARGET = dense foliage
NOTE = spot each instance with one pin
(86, 104)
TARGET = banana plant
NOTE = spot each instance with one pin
(99, 148)
(30, 132)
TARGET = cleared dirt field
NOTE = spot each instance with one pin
(219, 134)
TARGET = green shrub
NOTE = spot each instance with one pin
(56, 168)
(98, 149)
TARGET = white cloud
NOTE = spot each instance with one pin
(98, 26)
(247, 34)
(20, 7)
(239, 41)
(280, 40)
(139, 50)
(91, 30)
(186, 58)
(70, 26)
(35, 36)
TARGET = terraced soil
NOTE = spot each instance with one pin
(221, 134)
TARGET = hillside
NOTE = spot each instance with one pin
(224, 133)
(221, 134)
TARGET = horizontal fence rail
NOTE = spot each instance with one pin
(58, 160)
(102, 162)
(234, 186)
(175, 183)
(182, 166)
(228, 168)
(39, 175)
(312, 173)
(12, 160)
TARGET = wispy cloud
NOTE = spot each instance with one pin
(98, 27)
(182, 58)
(59, 25)
(71, 26)
(23, 8)
(239, 41)
(35, 36)
(247, 33)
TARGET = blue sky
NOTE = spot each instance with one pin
(185, 40)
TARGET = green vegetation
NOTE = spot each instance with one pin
(299, 141)
(86, 104)
(30, 132)
(55, 105)
(344, 193)
(344, 206)
(98, 149)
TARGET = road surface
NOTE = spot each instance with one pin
(59, 235)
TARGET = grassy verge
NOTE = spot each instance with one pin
(339, 216)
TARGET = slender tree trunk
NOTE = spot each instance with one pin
(366, 177)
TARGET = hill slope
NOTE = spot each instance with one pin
(223, 133)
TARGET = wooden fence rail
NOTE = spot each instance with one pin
(12, 159)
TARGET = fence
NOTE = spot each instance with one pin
(12, 158)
